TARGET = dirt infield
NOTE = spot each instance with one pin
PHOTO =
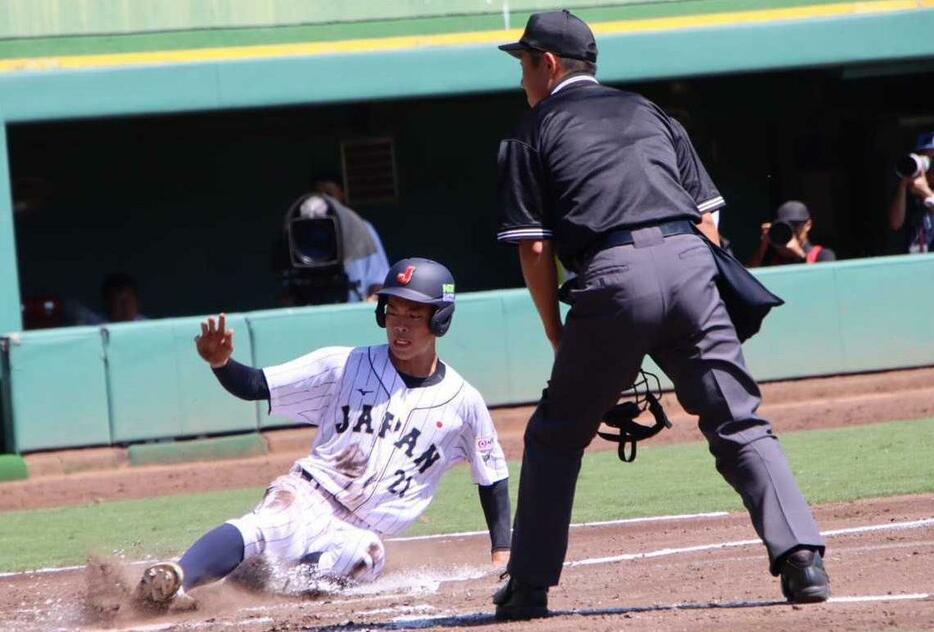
(691, 573)
(686, 574)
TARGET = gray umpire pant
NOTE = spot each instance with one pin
(656, 297)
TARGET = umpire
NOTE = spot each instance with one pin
(608, 182)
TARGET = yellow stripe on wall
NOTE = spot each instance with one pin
(385, 44)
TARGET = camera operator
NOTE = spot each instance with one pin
(785, 240)
(367, 271)
(914, 196)
(338, 258)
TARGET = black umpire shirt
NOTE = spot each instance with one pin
(590, 159)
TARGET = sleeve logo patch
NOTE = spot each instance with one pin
(485, 444)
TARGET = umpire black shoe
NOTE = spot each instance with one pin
(517, 601)
(804, 579)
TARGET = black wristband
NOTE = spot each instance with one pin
(242, 381)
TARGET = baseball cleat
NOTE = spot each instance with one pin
(161, 587)
(517, 601)
(804, 579)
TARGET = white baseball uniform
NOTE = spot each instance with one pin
(376, 461)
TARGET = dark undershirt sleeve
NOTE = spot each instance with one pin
(243, 381)
(495, 502)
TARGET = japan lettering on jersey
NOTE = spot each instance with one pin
(382, 448)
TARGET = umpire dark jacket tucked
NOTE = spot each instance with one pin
(590, 159)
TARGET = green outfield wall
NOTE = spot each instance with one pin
(122, 384)
(57, 387)
(145, 405)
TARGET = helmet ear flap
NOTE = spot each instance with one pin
(441, 319)
(381, 311)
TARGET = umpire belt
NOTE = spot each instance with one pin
(620, 237)
(624, 237)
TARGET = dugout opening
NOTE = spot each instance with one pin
(190, 204)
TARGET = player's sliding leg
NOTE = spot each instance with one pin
(213, 556)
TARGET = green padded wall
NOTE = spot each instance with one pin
(10, 317)
(160, 387)
(58, 389)
(529, 354)
(803, 336)
(863, 315)
(886, 312)
(476, 345)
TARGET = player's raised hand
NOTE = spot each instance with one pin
(215, 344)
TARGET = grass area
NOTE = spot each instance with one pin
(831, 465)
(177, 40)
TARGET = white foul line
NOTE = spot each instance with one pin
(65, 569)
(863, 598)
(892, 526)
(465, 534)
(914, 524)
(440, 536)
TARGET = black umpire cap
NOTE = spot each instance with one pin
(558, 32)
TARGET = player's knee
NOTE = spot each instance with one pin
(371, 562)
(360, 563)
(251, 532)
(277, 501)
(271, 528)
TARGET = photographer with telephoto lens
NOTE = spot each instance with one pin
(785, 240)
(915, 211)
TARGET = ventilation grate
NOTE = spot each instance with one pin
(369, 170)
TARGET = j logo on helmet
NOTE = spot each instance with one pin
(405, 277)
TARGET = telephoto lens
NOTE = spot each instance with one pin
(912, 166)
(780, 233)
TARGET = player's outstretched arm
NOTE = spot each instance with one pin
(215, 346)
(495, 502)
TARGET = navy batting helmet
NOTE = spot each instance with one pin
(422, 281)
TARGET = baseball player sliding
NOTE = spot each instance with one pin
(392, 419)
